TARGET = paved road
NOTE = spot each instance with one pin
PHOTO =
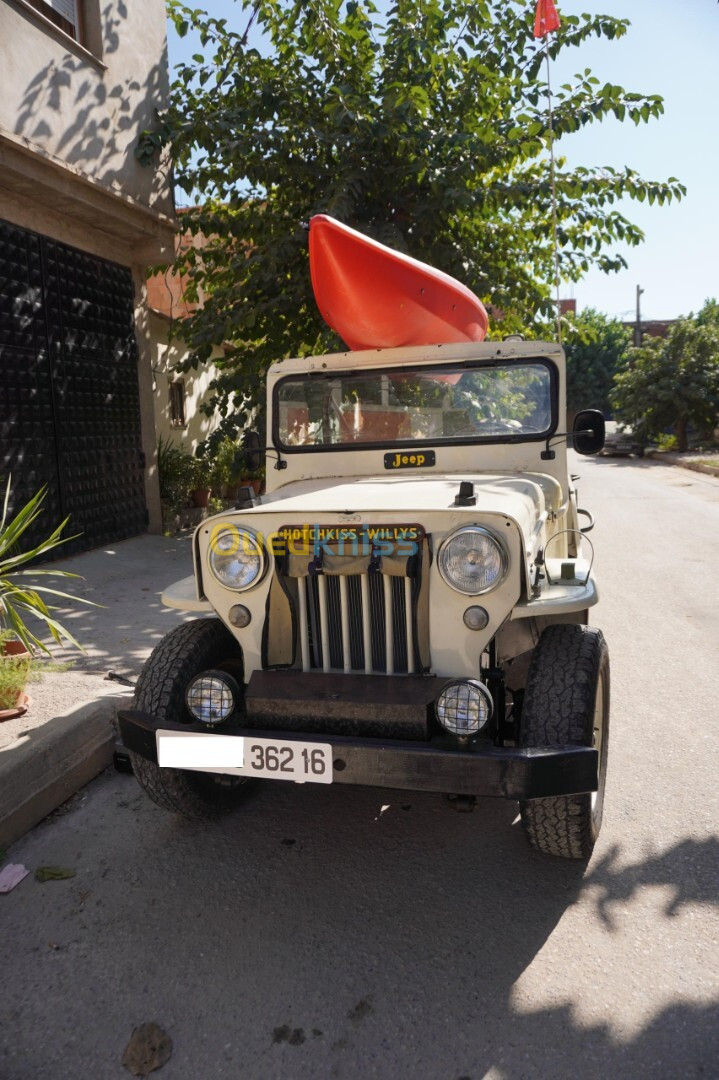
(318, 933)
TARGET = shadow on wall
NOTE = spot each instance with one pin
(106, 119)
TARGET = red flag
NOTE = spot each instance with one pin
(546, 18)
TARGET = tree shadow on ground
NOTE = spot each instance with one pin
(397, 929)
(682, 867)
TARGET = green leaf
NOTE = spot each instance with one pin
(19, 598)
(53, 873)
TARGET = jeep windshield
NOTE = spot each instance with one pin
(502, 402)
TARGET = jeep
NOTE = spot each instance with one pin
(405, 607)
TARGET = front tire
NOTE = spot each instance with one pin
(186, 651)
(567, 703)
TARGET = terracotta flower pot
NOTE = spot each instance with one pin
(14, 648)
(201, 496)
(14, 652)
(21, 706)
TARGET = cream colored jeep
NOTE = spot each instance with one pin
(406, 606)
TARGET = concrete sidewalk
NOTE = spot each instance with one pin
(67, 735)
(706, 462)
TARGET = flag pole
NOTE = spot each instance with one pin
(552, 175)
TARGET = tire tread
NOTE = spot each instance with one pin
(160, 691)
(558, 710)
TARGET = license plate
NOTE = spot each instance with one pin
(271, 759)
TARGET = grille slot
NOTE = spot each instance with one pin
(358, 622)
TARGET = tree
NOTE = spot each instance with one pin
(425, 127)
(596, 348)
(673, 383)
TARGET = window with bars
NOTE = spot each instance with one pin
(177, 403)
(64, 13)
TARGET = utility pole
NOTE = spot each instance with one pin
(638, 324)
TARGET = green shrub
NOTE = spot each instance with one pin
(14, 673)
(177, 472)
(228, 465)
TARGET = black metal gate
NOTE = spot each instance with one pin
(69, 395)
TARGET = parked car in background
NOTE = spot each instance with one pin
(621, 441)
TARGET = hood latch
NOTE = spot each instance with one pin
(466, 495)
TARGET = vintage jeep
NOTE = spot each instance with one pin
(406, 606)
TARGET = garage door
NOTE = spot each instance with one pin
(69, 397)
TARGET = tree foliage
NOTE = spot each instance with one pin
(673, 382)
(425, 127)
(596, 348)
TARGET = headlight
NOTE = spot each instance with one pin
(212, 696)
(464, 707)
(236, 558)
(472, 561)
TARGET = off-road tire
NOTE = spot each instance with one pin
(187, 650)
(569, 668)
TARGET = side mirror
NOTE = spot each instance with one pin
(254, 450)
(588, 431)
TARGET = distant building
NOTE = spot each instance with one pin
(80, 221)
(177, 396)
(651, 327)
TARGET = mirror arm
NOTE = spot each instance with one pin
(280, 463)
(549, 455)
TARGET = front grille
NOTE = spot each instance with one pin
(358, 622)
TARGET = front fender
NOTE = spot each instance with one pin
(182, 595)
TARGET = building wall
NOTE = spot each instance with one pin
(83, 107)
(166, 355)
(70, 117)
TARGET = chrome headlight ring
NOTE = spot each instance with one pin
(472, 560)
(236, 558)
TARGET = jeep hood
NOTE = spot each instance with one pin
(523, 498)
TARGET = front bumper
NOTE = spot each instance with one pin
(484, 770)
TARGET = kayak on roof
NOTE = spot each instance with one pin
(375, 297)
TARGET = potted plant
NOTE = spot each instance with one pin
(19, 598)
(15, 664)
(254, 479)
(201, 488)
(227, 467)
(177, 475)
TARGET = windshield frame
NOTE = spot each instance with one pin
(449, 368)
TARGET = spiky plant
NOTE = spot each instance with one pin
(18, 600)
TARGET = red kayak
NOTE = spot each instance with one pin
(377, 298)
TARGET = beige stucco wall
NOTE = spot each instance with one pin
(166, 354)
(84, 107)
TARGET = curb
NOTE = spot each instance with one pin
(673, 459)
(38, 773)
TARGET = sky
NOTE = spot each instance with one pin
(671, 49)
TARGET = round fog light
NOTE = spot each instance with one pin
(239, 616)
(476, 618)
(211, 696)
(464, 707)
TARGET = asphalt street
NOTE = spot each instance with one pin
(351, 933)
